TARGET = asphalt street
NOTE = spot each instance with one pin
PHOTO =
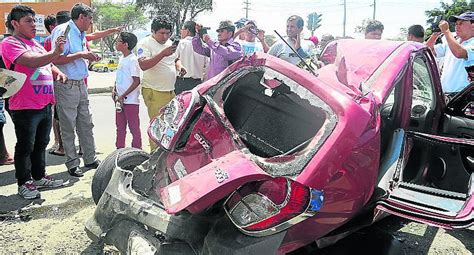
(103, 115)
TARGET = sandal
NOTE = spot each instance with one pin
(9, 161)
(54, 147)
(53, 152)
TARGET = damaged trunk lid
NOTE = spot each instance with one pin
(254, 124)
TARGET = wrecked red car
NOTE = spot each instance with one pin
(267, 158)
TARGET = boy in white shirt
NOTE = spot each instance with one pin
(126, 92)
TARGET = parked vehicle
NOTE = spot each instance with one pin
(105, 66)
(266, 158)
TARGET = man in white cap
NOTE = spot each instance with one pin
(458, 54)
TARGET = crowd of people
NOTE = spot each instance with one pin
(55, 94)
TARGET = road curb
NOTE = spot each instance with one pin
(100, 90)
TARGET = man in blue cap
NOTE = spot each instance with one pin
(239, 24)
(457, 54)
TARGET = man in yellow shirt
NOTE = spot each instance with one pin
(157, 59)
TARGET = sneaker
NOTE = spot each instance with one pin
(48, 182)
(75, 171)
(28, 191)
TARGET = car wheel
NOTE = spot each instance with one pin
(129, 159)
(106, 69)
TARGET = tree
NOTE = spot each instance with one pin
(178, 10)
(360, 29)
(109, 15)
(446, 10)
(314, 20)
(401, 36)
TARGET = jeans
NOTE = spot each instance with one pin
(32, 128)
(129, 115)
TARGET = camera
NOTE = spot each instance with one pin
(470, 72)
(435, 25)
(253, 30)
(175, 42)
(203, 31)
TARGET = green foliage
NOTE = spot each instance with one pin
(446, 10)
(360, 29)
(178, 10)
(401, 36)
(110, 15)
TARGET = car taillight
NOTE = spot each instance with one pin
(266, 207)
(164, 129)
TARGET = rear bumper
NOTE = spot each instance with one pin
(121, 206)
(119, 201)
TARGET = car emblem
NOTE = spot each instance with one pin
(221, 175)
(202, 141)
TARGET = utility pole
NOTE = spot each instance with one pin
(373, 16)
(246, 8)
(344, 21)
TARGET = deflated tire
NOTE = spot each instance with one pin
(129, 159)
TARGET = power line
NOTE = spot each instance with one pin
(246, 8)
(344, 20)
(375, 5)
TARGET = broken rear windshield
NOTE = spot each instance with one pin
(278, 121)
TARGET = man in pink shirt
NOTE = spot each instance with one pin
(31, 107)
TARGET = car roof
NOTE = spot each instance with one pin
(359, 59)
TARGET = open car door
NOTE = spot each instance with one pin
(459, 117)
(431, 180)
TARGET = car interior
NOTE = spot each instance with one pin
(431, 165)
(270, 119)
(438, 164)
(459, 119)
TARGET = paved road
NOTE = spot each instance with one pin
(102, 113)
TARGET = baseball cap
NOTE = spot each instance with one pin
(241, 22)
(465, 16)
(251, 22)
(226, 24)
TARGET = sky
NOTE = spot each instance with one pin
(272, 14)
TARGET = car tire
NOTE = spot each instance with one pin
(106, 69)
(129, 159)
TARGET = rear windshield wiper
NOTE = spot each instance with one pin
(310, 68)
